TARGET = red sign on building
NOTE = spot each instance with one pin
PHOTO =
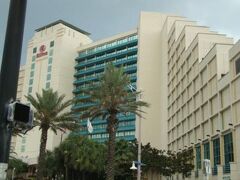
(42, 51)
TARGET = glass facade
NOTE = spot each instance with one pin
(206, 150)
(198, 157)
(90, 65)
(228, 148)
(216, 152)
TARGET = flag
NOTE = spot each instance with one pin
(89, 126)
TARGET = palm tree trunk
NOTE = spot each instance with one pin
(112, 127)
(42, 153)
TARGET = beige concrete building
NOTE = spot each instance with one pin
(50, 64)
(190, 76)
(198, 68)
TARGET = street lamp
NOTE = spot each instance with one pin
(132, 88)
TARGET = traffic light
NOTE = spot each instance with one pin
(20, 113)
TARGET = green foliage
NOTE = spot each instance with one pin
(18, 164)
(183, 162)
(124, 155)
(85, 157)
(50, 111)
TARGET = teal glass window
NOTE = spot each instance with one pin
(30, 81)
(48, 77)
(34, 50)
(23, 140)
(51, 43)
(33, 66)
(228, 148)
(47, 85)
(49, 68)
(31, 73)
(216, 151)
(206, 150)
(51, 52)
(198, 157)
(30, 90)
(23, 148)
(33, 58)
(50, 60)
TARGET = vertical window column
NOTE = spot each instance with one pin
(198, 157)
(49, 69)
(206, 151)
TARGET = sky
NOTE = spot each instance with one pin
(103, 18)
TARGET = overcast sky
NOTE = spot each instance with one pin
(103, 18)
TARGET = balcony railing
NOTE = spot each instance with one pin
(104, 58)
(132, 42)
(226, 168)
(214, 170)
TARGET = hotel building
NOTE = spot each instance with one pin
(190, 77)
(49, 64)
(90, 64)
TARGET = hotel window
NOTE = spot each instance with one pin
(206, 151)
(29, 90)
(48, 77)
(49, 68)
(23, 148)
(32, 66)
(23, 140)
(31, 73)
(51, 52)
(216, 151)
(50, 60)
(237, 64)
(51, 43)
(30, 81)
(34, 50)
(198, 157)
(47, 85)
(33, 58)
(228, 148)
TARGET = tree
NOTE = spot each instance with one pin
(124, 155)
(109, 98)
(18, 165)
(49, 114)
(183, 163)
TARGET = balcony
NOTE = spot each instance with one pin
(100, 68)
(214, 170)
(82, 80)
(105, 58)
(226, 169)
(108, 49)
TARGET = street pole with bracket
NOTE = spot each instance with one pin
(9, 75)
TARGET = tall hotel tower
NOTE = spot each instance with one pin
(90, 64)
(50, 64)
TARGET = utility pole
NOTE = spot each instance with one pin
(9, 74)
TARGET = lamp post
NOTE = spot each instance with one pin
(139, 143)
(139, 163)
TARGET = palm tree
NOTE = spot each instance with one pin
(110, 97)
(50, 114)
